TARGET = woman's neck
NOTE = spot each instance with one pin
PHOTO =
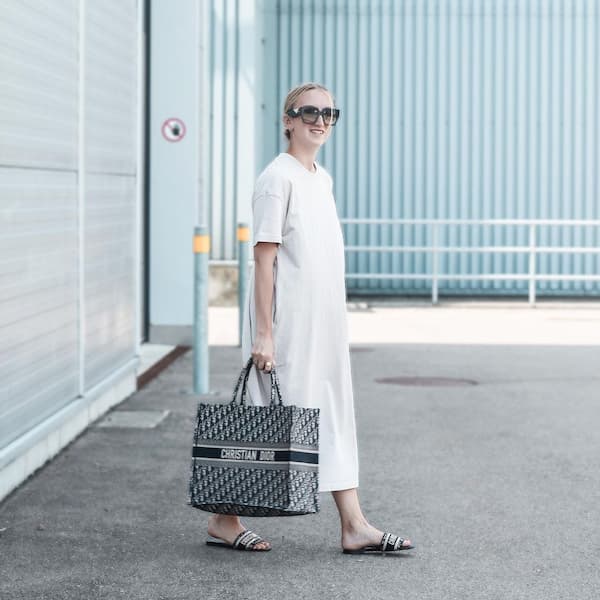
(305, 157)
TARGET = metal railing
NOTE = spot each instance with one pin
(435, 225)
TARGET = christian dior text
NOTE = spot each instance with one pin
(243, 454)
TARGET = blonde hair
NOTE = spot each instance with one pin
(296, 92)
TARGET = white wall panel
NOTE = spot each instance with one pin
(110, 159)
(109, 277)
(38, 296)
(111, 65)
(42, 315)
(38, 83)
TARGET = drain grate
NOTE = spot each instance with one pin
(428, 381)
(138, 419)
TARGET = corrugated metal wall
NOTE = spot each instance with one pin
(110, 198)
(40, 221)
(450, 109)
(231, 34)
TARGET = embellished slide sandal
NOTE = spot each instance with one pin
(245, 541)
(389, 543)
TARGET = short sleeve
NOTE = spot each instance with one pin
(269, 207)
(267, 216)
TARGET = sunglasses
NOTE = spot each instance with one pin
(310, 114)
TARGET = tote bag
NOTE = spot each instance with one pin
(257, 461)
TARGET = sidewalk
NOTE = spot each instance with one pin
(486, 457)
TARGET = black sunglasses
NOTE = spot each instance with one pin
(310, 114)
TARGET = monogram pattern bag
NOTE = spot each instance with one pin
(258, 461)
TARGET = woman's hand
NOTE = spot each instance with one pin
(263, 353)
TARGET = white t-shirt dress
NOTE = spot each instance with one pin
(295, 208)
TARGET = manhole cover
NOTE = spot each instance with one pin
(427, 381)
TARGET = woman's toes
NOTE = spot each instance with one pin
(264, 545)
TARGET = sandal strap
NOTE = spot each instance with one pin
(241, 538)
(246, 539)
(390, 542)
(384, 542)
(255, 539)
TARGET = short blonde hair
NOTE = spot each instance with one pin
(296, 92)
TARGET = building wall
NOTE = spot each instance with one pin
(450, 109)
(233, 105)
(69, 205)
(110, 227)
(203, 72)
(175, 166)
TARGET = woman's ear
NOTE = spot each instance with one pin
(287, 122)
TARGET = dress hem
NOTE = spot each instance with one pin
(336, 487)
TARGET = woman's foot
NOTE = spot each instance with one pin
(358, 534)
(228, 527)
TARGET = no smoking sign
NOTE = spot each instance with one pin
(173, 130)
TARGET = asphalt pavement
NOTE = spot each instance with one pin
(484, 454)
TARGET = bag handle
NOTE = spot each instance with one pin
(243, 381)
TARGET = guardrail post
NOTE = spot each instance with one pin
(532, 264)
(243, 236)
(201, 250)
(435, 264)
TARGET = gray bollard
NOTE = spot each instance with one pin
(243, 236)
(201, 365)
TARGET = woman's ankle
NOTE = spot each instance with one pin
(225, 519)
(353, 524)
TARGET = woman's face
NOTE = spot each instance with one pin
(308, 135)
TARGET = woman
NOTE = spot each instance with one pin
(296, 315)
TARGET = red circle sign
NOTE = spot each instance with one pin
(173, 129)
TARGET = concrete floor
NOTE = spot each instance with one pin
(488, 462)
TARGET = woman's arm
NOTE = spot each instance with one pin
(264, 258)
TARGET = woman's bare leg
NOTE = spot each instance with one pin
(356, 530)
(228, 527)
